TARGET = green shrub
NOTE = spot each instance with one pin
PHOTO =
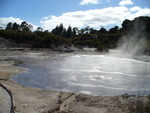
(102, 48)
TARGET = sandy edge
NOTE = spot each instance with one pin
(34, 100)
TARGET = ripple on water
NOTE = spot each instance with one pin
(90, 74)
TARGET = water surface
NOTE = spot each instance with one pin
(90, 74)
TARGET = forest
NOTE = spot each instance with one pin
(102, 39)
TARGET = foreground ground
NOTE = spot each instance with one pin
(33, 100)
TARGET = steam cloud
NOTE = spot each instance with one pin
(132, 44)
(134, 41)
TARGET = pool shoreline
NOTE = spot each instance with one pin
(44, 101)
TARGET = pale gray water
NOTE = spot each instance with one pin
(91, 74)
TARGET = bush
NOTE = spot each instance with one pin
(102, 48)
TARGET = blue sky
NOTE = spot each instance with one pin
(77, 13)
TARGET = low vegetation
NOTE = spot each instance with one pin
(23, 36)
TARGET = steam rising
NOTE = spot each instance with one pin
(132, 45)
(134, 41)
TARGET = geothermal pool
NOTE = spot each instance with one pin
(89, 74)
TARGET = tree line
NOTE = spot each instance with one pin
(89, 37)
(22, 35)
(23, 27)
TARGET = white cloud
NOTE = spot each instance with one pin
(5, 21)
(85, 2)
(125, 2)
(141, 12)
(94, 18)
(134, 9)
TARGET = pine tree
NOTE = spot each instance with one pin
(69, 32)
(60, 29)
(15, 26)
(9, 26)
